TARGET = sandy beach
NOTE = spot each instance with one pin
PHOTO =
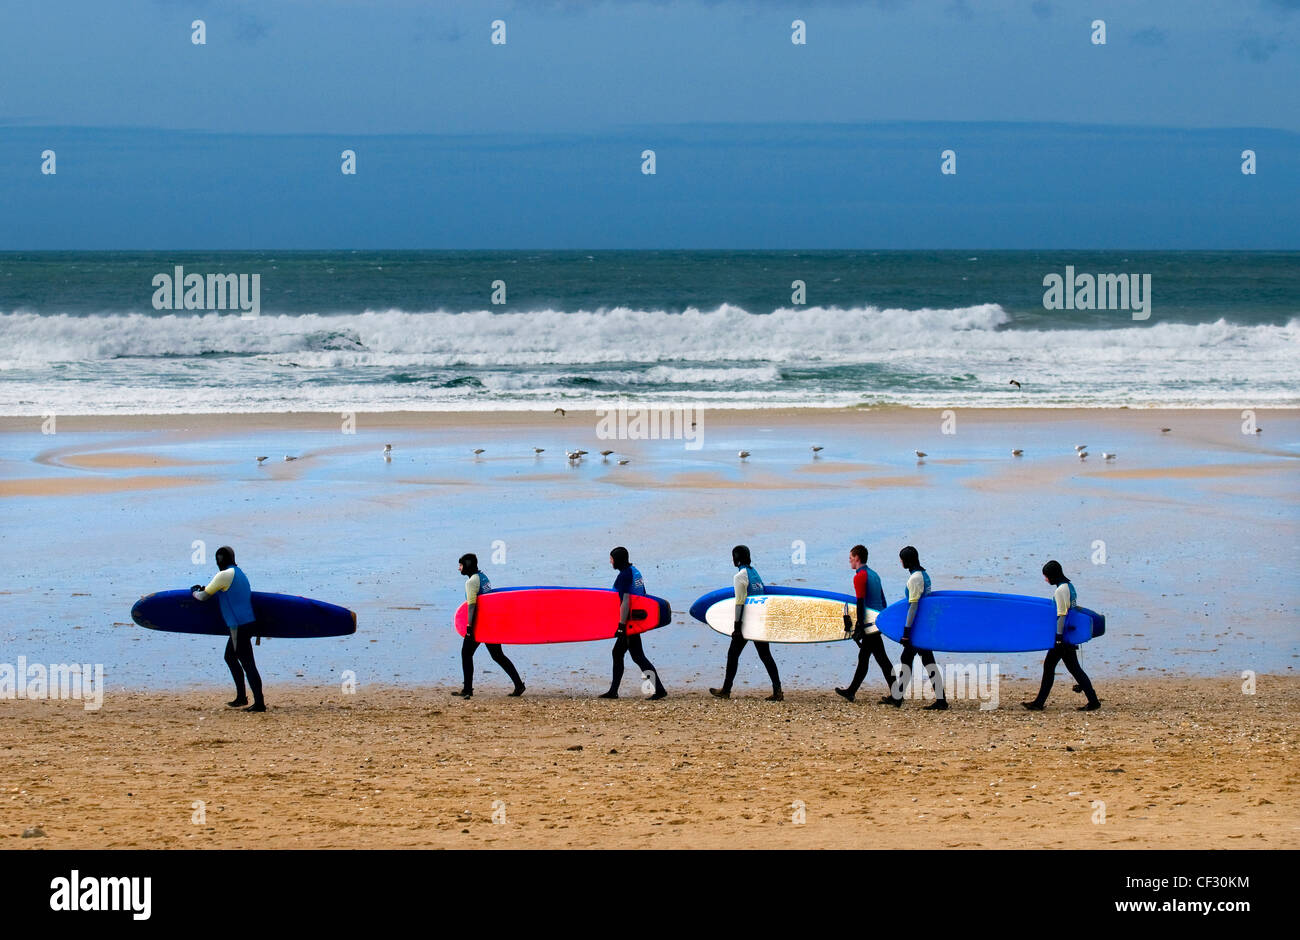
(1177, 763)
(1197, 528)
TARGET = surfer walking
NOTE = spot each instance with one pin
(918, 585)
(477, 583)
(871, 596)
(1066, 597)
(627, 583)
(235, 599)
(746, 582)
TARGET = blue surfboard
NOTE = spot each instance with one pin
(705, 601)
(278, 615)
(977, 622)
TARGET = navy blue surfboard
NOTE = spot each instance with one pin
(278, 615)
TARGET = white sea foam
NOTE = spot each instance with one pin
(484, 359)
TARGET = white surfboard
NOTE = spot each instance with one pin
(784, 618)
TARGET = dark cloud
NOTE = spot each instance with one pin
(428, 29)
(223, 17)
(1257, 48)
(960, 8)
(248, 28)
(1151, 36)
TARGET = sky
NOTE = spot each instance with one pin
(162, 143)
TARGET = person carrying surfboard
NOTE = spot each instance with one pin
(627, 583)
(746, 582)
(235, 600)
(476, 583)
(918, 585)
(871, 595)
(1066, 597)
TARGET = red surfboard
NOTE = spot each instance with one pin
(558, 615)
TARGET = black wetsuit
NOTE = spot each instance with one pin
(627, 583)
(931, 668)
(467, 649)
(869, 644)
(733, 660)
(909, 655)
(873, 645)
(632, 644)
(1063, 653)
(240, 660)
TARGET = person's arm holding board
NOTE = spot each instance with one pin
(471, 602)
(624, 607)
(221, 581)
(1062, 595)
(915, 590)
(740, 583)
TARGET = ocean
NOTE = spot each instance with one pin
(411, 330)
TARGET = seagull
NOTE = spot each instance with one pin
(623, 462)
(817, 449)
(1079, 447)
(573, 454)
(560, 411)
(1106, 456)
(1017, 452)
(1165, 430)
(581, 453)
(287, 458)
(1015, 383)
(478, 450)
(260, 460)
(606, 453)
(921, 455)
(743, 454)
(1259, 430)
(1083, 455)
(539, 450)
(388, 449)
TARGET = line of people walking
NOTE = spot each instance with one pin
(233, 592)
(870, 596)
